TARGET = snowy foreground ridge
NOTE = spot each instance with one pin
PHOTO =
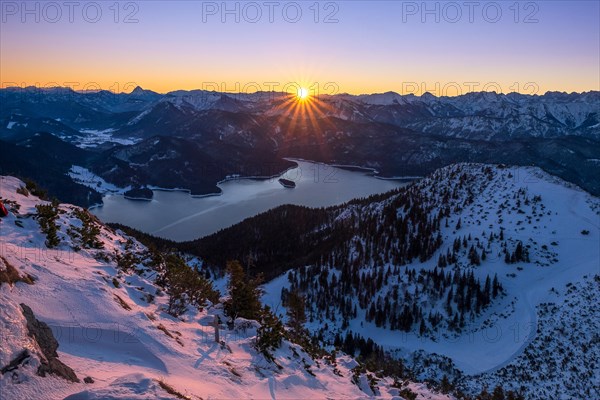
(75, 325)
(111, 327)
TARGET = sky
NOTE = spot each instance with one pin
(445, 48)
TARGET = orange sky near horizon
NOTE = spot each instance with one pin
(315, 86)
(370, 49)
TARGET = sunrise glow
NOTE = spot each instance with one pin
(163, 54)
(302, 94)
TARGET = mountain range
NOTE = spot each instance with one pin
(194, 139)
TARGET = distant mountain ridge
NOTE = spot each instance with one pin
(475, 115)
(193, 139)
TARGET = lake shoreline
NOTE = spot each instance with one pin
(189, 191)
(180, 216)
(346, 167)
(357, 168)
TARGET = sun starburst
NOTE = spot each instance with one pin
(302, 94)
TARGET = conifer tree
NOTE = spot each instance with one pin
(270, 333)
(244, 300)
(498, 393)
(185, 286)
(445, 385)
(296, 311)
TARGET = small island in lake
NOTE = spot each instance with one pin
(139, 193)
(287, 183)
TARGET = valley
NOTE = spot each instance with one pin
(446, 276)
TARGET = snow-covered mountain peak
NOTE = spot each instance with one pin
(387, 98)
(138, 90)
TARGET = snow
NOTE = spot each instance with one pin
(94, 138)
(126, 353)
(87, 178)
(115, 335)
(388, 98)
(139, 117)
(132, 386)
(504, 330)
(563, 354)
(11, 124)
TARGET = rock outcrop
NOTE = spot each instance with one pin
(42, 334)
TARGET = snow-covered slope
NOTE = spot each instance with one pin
(493, 209)
(488, 115)
(563, 355)
(111, 326)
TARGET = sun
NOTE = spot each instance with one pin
(302, 93)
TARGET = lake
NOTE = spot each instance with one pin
(178, 216)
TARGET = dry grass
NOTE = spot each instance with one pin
(165, 330)
(232, 369)
(171, 390)
(151, 316)
(122, 303)
(169, 334)
(11, 275)
(23, 190)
